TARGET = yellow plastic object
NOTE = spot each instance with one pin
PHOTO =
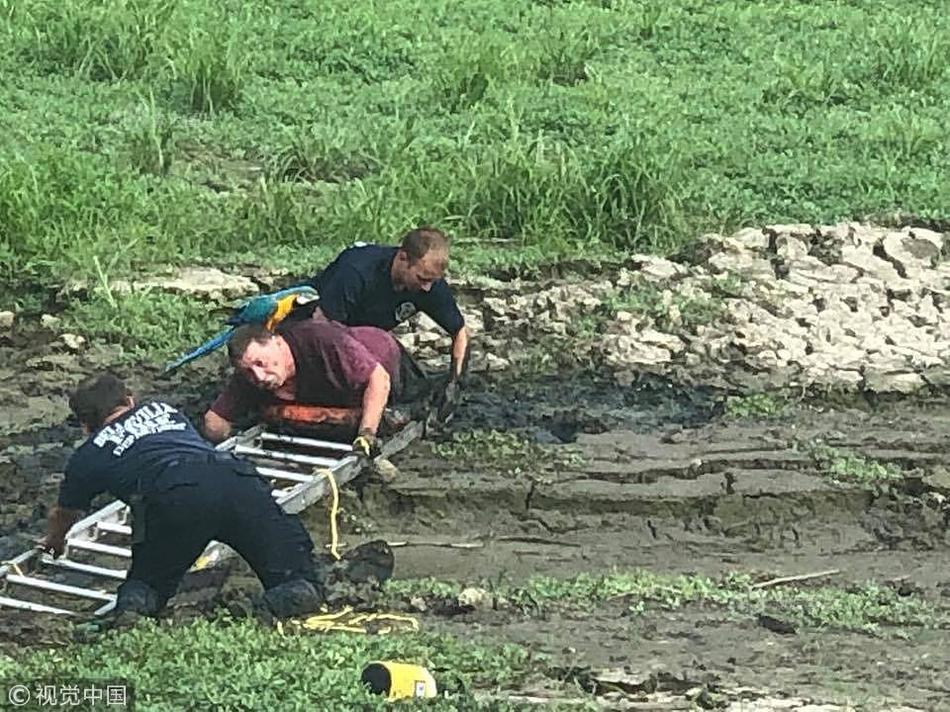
(398, 681)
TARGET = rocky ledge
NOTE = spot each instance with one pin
(849, 307)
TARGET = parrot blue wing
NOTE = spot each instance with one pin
(253, 311)
(256, 310)
(259, 309)
(206, 348)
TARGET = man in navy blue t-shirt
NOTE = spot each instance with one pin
(183, 494)
(382, 286)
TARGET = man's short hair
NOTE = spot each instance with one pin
(417, 243)
(96, 397)
(244, 336)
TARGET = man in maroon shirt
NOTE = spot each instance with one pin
(312, 363)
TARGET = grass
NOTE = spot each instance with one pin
(175, 666)
(145, 324)
(868, 608)
(181, 667)
(755, 405)
(146, 132)
(852, 468)
(497, 449)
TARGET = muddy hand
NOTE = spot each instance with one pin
(448, 399)
(54, 546)
(367, 445)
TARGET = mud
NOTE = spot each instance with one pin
(650, 475)
(660, 479)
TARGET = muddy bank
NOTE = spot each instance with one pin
(573, 472)
(703, 494)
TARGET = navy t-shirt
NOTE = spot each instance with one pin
(357, 290)
(137, 446)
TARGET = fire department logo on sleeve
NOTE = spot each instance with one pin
(404, 311)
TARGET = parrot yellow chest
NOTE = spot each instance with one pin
(284, 307)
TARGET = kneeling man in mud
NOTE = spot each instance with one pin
(183, 494)
(309, 362)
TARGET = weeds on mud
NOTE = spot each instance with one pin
(755, 405)
(503, 449)
(263, 667)
(867, 608)
(851, 468)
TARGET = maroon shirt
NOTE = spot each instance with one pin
(333, 365)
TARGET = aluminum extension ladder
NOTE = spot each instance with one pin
(98, 548)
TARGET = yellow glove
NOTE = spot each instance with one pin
(367, 445)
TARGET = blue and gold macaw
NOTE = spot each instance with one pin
(267, 309)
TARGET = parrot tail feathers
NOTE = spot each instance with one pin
(206, 348)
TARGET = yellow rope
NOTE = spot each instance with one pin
(13, 565)
(334, 512)
(346, 620)
(16, 569)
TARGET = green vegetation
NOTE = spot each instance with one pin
(869, 608)
(847, 467)
(755, 405)
(503, 449)
(143, 323)
(668, 309)
(245, 666)
(145, 132)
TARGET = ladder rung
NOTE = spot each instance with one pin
(285, 456)
(84, 568)
(105, 608)
(100, 548)
(59, 587)
(113, 527)
(294, 440)
(109, 510)
(284, 474)
(30, 606)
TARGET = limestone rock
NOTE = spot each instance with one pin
(751, 238)
(793, 229)
(73, 342)
(912, 253)
(204, 282)
(50, 322)
(790, 248)
(669, 342)
(906, 383)
(863, 260)
(7, 319)
(625, 349)
(496, 363)
(744, 263)
(847, 305)
(473, 597)
(657, 269)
